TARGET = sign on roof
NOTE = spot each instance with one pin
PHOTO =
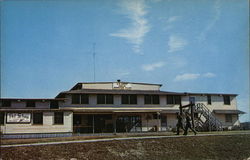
(122, 85)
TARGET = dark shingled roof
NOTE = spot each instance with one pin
(218, 111)
(142, 92)
(33, 99)
(117, 91)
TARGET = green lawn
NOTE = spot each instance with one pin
(204, 147)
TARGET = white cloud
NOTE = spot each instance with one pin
(135, 10)
(170, 22)
(187, 76)
(217, 13)
(176, 43)
(193, 76)
(156, 1)
(209, 75)
(172, 19)
(121, 73)
(153, 66)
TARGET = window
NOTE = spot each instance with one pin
(38, 118)
(173, 99)
(129, 99)
(147, 99)
(84, 99)
(80, 99)
(209, 99)
(58, 118)
(170, 99)
(192, 100)
(105, 99)
(125, 99)
(109, 99)
(228, 118)
(75, 98)
(30, 104)
(6, 103)
(100, 99)
(226, 100)
(151, 99)
(177, 99)
(1, 118)
(156, 99)
(54, 104)
(133, 99)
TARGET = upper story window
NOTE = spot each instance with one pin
(1, 118)
(80, 99)
(209, 101)
(31, 104)
(173, 99)
(58, 118)
(38, 118)
(105, 99)
(5, 103)
(151, 99)
(54, 104)
(75, 98)
(226, 100)
(84, 99)
(129, 99)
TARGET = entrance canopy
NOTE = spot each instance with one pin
(228, 111)
(121, 109)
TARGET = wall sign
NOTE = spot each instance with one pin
(18, 117)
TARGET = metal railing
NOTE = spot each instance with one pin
(211, 122)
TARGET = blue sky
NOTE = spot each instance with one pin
(192, 46)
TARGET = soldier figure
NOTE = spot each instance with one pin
(179, 123)
(188, 125)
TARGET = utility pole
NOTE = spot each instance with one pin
(94, 59)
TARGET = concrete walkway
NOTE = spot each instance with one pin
(118, 139)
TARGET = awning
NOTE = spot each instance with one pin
(228, 111)
(122, 109)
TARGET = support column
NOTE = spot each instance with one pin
(159, 121)
(93, 123)
(114, 123)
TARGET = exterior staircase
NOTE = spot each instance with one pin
(205, 120)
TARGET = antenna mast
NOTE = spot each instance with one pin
(94, 58)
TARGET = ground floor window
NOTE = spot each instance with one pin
(58, 118)
(163, 120)
(38, 118)
(128, 123)
(229, 118)
(1, 118)
(95, 123)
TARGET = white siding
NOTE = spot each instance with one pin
(47, 127)
(217, 102)
(131, 86)
(222, 118)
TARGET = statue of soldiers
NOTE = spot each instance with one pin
(188, 125)
(179, 123)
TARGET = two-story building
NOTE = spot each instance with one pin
(108, 107)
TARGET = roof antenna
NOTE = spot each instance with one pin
(94, 58)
